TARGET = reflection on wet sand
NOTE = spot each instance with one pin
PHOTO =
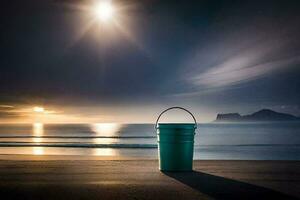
(105, 152)
(38, 150)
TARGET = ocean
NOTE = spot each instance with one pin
(237, 141)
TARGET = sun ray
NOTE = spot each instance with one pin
(130, 37)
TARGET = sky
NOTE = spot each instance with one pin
(207, 56)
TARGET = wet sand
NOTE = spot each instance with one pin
(52, 177)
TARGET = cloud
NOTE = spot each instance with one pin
(6, 106)
(9, 112)
(239, 70)
(244, 58)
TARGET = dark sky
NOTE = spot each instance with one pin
(210, 56)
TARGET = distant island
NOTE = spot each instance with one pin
(262, 115)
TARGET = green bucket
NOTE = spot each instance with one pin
(175, 144)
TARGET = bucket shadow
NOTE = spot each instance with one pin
(223, 188)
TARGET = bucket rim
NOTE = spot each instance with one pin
(176, 125)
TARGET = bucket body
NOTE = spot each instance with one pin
(175, 146)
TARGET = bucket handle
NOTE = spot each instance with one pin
(175, 107)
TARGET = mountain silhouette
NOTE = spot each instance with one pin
(261, 115)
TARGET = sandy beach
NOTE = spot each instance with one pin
(57, 177)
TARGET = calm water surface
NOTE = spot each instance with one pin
(248, 141)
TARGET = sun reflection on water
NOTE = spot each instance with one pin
(106, 129)
(38, 131)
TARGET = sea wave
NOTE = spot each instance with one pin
(128, 146)
(76, 137)
(78, 145)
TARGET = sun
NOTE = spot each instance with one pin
(104, 11)
(38, 109)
